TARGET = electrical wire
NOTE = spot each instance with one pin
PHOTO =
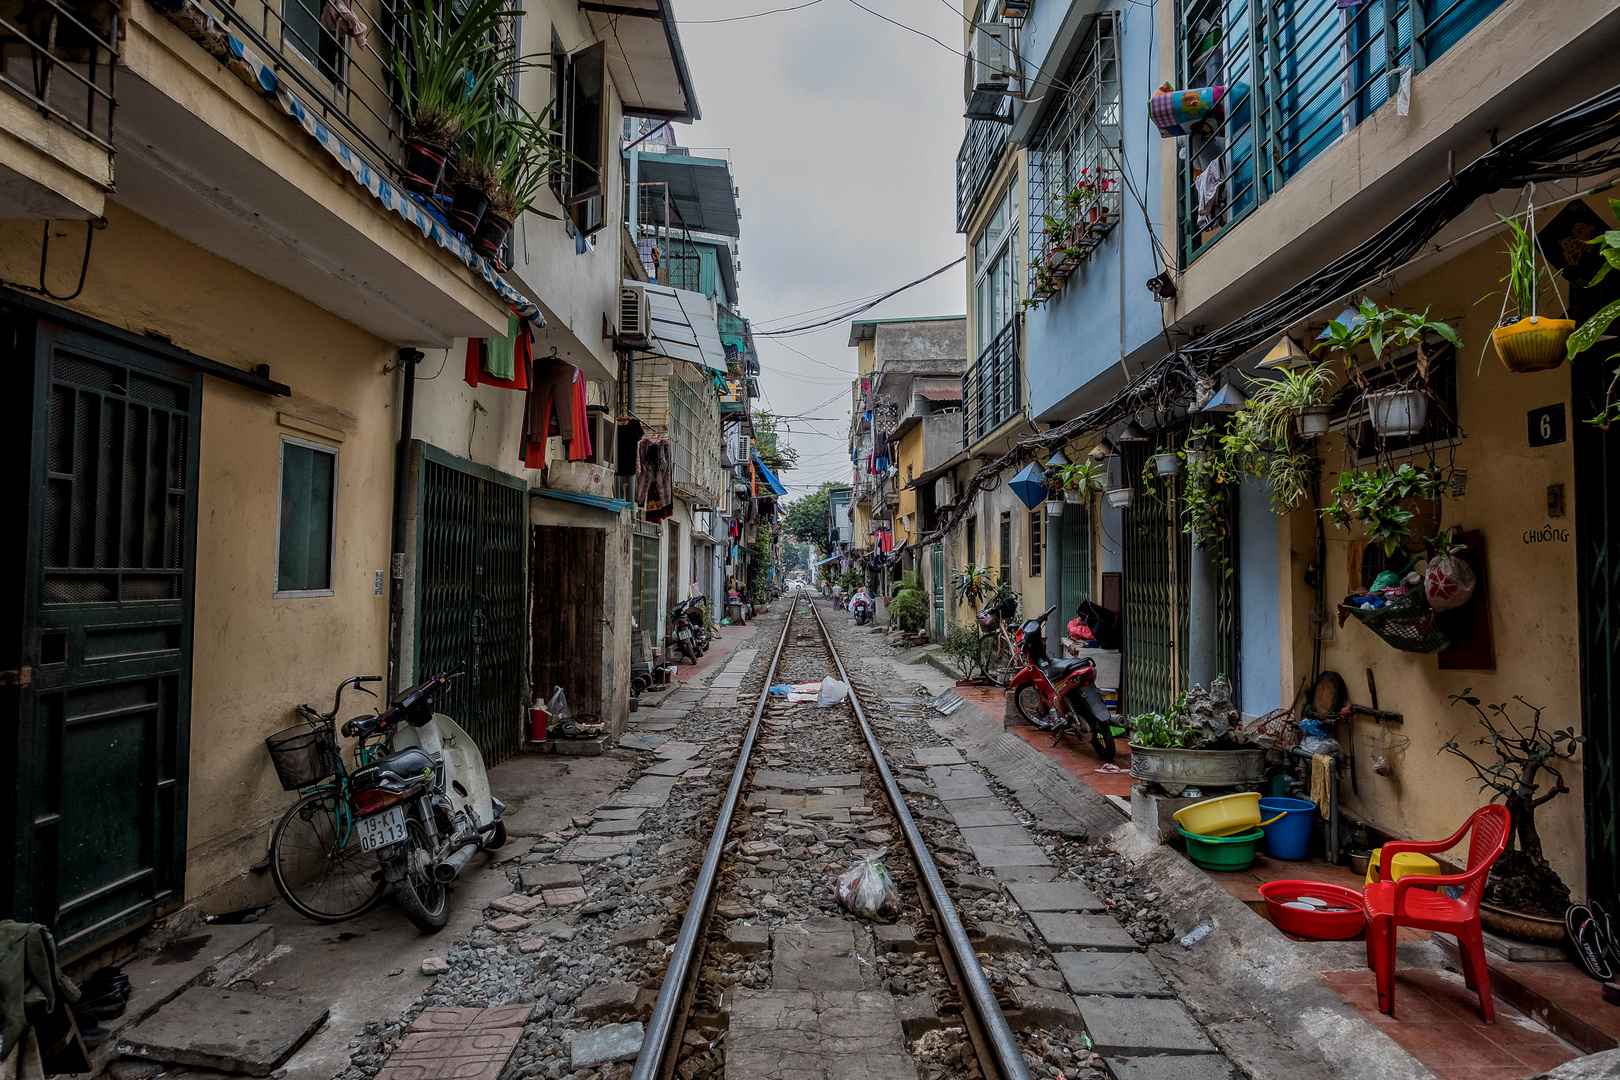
(743, 18)
(845, 316)
(1550, 150)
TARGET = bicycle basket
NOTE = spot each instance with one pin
(1406, 623)
(989, 619)
(303, 755)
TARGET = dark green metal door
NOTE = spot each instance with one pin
(936, 566)
(471, 601)
(104, 655)
(1597, 537)
(1076, 561)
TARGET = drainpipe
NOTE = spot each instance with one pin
(1202, 626)
(408, 359)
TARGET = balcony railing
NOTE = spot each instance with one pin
(62, 62)
(991, 392)
(975, 164)
(1299, 74)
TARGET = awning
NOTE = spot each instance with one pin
(941, 393)
(684, 327)
(770, 478)
(828, 559)
(699, 187)
(645, 58)
(600, 502)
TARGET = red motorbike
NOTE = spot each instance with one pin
(1060, 696)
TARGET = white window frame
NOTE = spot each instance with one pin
(281, 494)
(1003, 256)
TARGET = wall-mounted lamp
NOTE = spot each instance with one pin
(1286, 354)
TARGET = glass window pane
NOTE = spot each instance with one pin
(308, 483)
(303, 32)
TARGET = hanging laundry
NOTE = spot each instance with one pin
(624, 452)
(477, 371)
(579, 448)
(655, 479)
(551, 410)
(500, 354)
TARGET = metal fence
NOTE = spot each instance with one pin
(991, 390)
(1299, 74)
(62, 61)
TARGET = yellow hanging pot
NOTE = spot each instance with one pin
(1534, 343)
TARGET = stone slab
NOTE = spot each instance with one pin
(1113, 973)
(516, 903)
(228, 1030)
(637, 800)
(937, 755)
(1038, 1007)
(643, 740)
(550, 876)
(997, 836)
(677, 749)
(659, 725)
(812, 803)
(1022, 855)
(603, 1045)
(980, 819)
(592, 851)
(1055, 896)
(791, 781)
(1063, 930)
(959, 782)
(1011, 874)
(1119, 1025)
(798, 1035)
(606, 1001)
(653, 785)
(567, 896)
(617, 815)
(668, 767)
(616, 826)
(818, 956)
(1172, 1067)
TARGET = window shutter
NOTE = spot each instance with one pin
(583, 131)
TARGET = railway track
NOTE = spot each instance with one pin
(898, 1000)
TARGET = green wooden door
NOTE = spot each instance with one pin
(472, 603)
(1597, 537)
(936, 567)
(104, 653)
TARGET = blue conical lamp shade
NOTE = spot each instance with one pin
(1030, 486)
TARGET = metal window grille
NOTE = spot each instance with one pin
(62, 62)
(1004, 546)
(991, 390)
(1298, 75)
(1074, 167)
(976, 162)
(1036, 523)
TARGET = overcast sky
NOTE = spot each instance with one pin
(843, 131)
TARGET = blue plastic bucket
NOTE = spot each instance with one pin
(1290, 835)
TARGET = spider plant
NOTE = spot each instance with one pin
(447, 68)
(530, 158)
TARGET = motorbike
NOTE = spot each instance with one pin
(684, 638)
(424, 806)
(1060, 697)
(861, 607)
(698, 611)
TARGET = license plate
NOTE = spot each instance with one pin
(380, 830)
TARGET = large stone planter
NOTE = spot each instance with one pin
(1177, 770)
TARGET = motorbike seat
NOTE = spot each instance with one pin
(1057, 669)
(406, 764)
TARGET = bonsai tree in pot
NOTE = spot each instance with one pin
(1399, 409)
(1525, 339)
(1526, 758)
(446, 69)
(1386, 502)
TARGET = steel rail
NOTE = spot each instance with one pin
(1008, 1057)
(655, 1044)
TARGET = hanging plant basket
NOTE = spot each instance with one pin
(1120, 498)
(1533, 343)
(1166, 464)
(1313, 422)
(1406, 623)
(1074, 496)
(1397, 413)
(1196, 458)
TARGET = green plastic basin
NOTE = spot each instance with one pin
(1223, 852)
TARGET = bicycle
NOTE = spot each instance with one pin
(997, 657)
(315, 857)
(1591, 929)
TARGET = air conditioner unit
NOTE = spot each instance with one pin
(945, 491)
(635, 313)
(990, 57)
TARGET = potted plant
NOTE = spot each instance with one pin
(975, 584)
(532, 158)
(1402, 408)
(1167, 463)
(1524, 895)
(1525, 340)
(1301, 396)
(1170, 750)
(1387, 502)
(1206, 493)
(1077, 481)
(445, 70)
(1120, 498)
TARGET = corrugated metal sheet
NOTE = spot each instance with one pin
(684, 327)
(700, 188)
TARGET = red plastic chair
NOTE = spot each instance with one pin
(1408, 902)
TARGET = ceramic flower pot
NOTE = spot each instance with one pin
(467, 209)
(423, 168)
(1313, 422)
(1534, 343)
(1398, 413)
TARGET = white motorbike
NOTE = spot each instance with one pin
(423, 805)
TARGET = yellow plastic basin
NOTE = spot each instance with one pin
(1224, 815)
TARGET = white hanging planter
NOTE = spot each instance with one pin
(1313, 422)
(1196, 457)
(1397, 413)
(1054, 507)
(1166, 464)
(1119, 498)
(1074, 495)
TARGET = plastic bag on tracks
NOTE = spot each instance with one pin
(867, 891)
(831, 692)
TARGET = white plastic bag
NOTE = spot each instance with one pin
(1448, 583)
(831, 693)
(867, 891)
(558, 705)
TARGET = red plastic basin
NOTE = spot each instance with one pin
(1325, 925)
